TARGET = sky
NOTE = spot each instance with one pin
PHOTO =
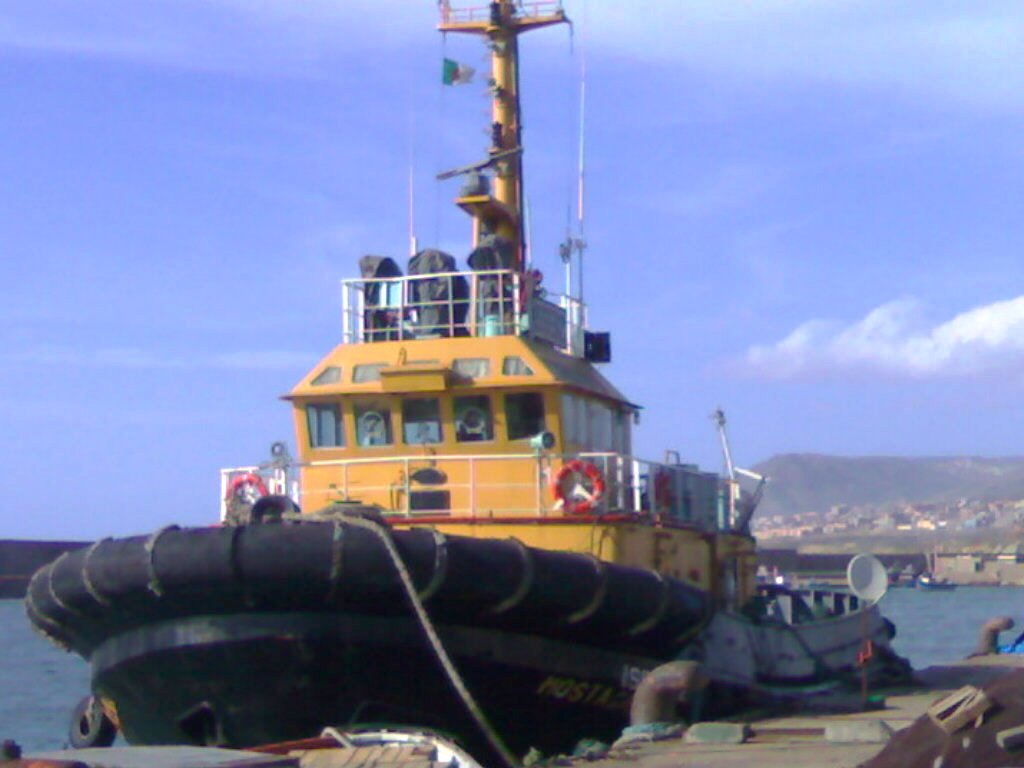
(807, 213)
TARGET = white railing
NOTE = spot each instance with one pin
(498, 485)
(449, 304)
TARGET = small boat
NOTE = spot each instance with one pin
(787, 642)
(465, 542)
(932, 583)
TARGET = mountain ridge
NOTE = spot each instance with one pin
(814, 482)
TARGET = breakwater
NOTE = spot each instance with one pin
(19, 559)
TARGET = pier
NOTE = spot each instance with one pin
(819, 737)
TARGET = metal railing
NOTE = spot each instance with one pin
(497, 485)
(451, 304)
(477, 13)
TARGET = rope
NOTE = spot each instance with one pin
(428, 629)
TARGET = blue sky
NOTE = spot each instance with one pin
(805, 212)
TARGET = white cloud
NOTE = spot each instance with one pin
(895, 339)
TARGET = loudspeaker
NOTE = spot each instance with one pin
(597, 347)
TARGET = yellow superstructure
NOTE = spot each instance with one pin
(469, 400)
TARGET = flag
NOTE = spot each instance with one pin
(455, 73)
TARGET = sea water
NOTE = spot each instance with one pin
(40, 684)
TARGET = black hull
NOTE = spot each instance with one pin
(271, 632)
(244, 680)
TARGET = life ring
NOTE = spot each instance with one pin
(246, 488)
(583, 470)
(373, 429)
(472, 422)
(663, 495)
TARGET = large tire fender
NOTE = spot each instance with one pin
(90, 725)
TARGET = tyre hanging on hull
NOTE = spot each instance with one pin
(90, 725)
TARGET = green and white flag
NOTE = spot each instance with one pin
(455, 73)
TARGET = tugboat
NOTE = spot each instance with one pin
(465, 541)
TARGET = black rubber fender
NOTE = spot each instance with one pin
(90, 726)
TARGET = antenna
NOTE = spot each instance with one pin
(719, 417)
(413, 245)
(577, 243)
(581, 178)
(528, 231)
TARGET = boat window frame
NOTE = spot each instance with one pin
(575, 419)
(364, 405)
(438, 420)
(331, 374)
(461, 364)
(489, 424)
(364, 373)
(600, 421)
(339, 425)
(516, 361)
(539, 395)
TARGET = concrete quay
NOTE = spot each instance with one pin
(809, 737)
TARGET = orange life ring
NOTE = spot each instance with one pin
(586, 470)
(252, 484)
(663, 495)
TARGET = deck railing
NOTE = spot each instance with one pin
(486, 486)
(452, 304)
(478, 13)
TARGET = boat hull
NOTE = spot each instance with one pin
(933, 585)
(807, 640)
(266, 633)
(244, 680)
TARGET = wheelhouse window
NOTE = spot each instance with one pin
(367, 372)
(524, 414)
(599, 421)
(573, 419)
(373, 424)
(421, 421)
(329, 375)
(513, 365)
(473, 420)
(620, 433)
(326, 429)
(471, 367)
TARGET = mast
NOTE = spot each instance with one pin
(498, 209)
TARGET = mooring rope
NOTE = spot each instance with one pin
(428, 628)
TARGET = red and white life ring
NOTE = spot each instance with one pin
(246, 488)
(577, 472)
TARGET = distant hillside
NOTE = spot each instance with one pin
(813, 482)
